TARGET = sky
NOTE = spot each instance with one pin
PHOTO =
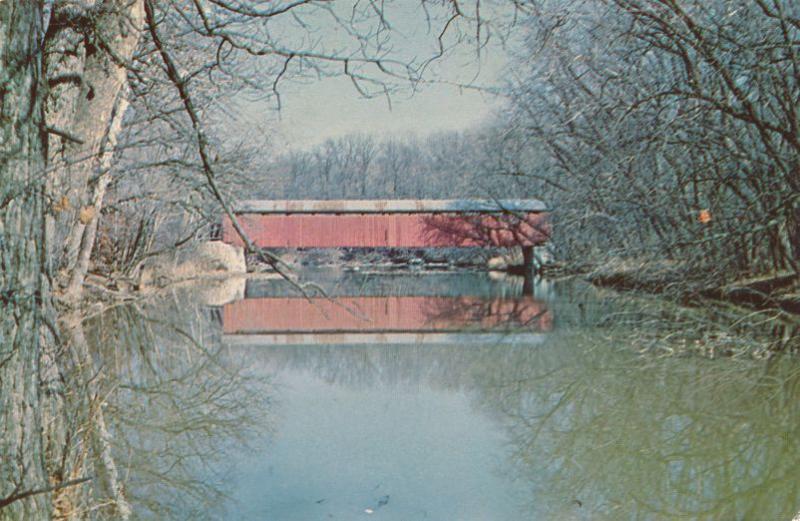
(313, 111)
(332, 108)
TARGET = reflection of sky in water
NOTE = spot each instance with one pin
(512, 431)
(349, 446)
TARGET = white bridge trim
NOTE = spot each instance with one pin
(410, 338)
(391, 206)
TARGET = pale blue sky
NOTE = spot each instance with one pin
(332, 108)
(313, 111)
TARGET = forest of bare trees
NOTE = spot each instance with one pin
(443, 166)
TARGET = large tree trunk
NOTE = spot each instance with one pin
(37, 177)
(24, 291)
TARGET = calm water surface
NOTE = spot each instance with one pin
(453, 397)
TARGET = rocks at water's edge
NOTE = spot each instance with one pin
(193, 261)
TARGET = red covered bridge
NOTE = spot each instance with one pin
(392, 224)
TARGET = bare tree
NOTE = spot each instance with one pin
(667, 130)
(392, 165)
(445, 165)
(362, 152)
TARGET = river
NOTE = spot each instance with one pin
(448, 396)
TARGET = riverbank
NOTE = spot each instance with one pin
(778, 291)
(209, 260)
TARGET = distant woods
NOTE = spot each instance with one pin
(447, 165)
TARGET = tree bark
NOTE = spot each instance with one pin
(89, 229)
(24, 291)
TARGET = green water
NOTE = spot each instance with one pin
(574, 423)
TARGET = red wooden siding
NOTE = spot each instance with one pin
(384, 314)
(393, 230)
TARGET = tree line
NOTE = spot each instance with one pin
(447, 165)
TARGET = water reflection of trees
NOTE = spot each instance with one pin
(140, 414)
(590, 421)
(367, 284)
(485, 314)
(642, 438)
(176, 405)
(451, 367)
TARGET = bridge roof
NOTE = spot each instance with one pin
(391, 206)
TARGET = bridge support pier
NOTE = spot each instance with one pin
(529, 269)
(529, 260)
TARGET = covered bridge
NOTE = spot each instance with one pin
(391, 223)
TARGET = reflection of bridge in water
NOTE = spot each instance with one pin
(381, 309)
